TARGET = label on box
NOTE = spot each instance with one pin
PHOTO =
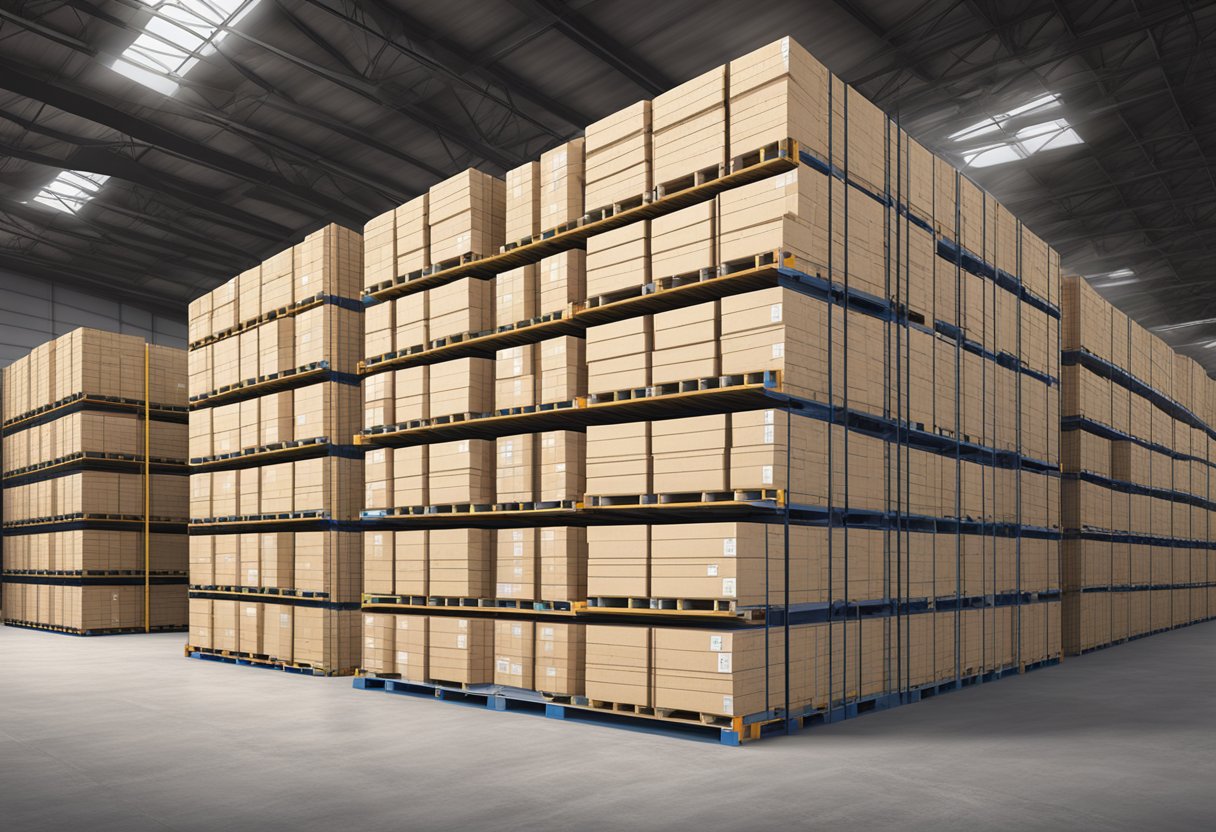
(728, 587)
(503, 665)
(729, 547)
(546, 632)
(284, 619)
(560, 468)
(462, 447)
(504, 590)
(516, 631)
(369, 621)
(462, 642)
(724, 662)
(517, 670)
(517, 549)
(715, 643)
(550, 671)
(728, 705)
(779, 350)
(712, 570)
(403, 657)
(769, 432)
(769, 417)
(766, 474)
(774, 313)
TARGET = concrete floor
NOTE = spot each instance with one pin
(123, 733)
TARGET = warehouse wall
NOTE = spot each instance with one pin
(34, 310)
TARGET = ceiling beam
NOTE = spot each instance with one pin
(101, 109)
(556, 15)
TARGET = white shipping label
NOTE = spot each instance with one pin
(712, 570)
(769, 417)
(769, 432)
(369, 621)
(785, 51)
(301, 419)
(551, 671)
(369, 643)
(503, 666)
(715, 644)
(546, 632)
(377, 540)
(728, 587)
(518, 572)
(724, 662)
(766, 474)
(729, 547)
(284, 619)
(774, 312)
(728, 705)
(462, 641)
(304, 279)
(517, 534)
(251, 612)
(463, 447)
(517, 549)
(779, 350)
(463, 623)
(516, 631)
(403, 657)
(517, 670)
(560, 468)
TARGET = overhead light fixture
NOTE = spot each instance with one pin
(1022, 143)
(1117, 273)
(1119, 283)
(1184, 325)
(70, 190)
(1209, 345)
(179, 34)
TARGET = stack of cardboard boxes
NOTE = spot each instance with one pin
(925, 426)
(274, 472)
(1136, 497)
(76, 495)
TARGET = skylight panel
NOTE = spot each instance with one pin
(178, 35)
(1023, 143)
(70, 190)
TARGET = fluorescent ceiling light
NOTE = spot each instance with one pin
(70, 190)
(1209, 345)
(1117, 273)
(178, 35)
(1020, 144)
(1119, 283)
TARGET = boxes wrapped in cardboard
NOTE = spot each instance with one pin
(461, 471)
(464, 385)
(619, 260)
(618, 157)
(560, 652)
(619, 355)
(691, 454)
(517, 565)
(618, 664)
(461, 650)
(689, 123)
(686, 344)
(466, 216)
(460, 563)
(619, 459)
(514, 653)
(562, 558)
(618, 561)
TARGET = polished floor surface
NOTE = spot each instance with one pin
(123, 733)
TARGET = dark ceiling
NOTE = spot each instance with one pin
(313, 111)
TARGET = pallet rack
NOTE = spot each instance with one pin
(828, 283)
(35, 595)
(255, 599)
(1138, 554)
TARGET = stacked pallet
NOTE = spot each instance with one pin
(762, 393)
(275, 562)
(94, 487)
(1137, 459)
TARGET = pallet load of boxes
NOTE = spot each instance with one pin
(740, 411)
(1138, 430)
(95, 492)
(276, 484)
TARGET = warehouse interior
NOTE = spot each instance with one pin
(712, 372)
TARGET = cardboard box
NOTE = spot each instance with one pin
(516, 293)
(691, 454)
(562, 280)
(516, 468)
(277, 559)
(560, 652)
(619, 662)
(523, 202)
(200, 623)
(461, 472)
(561, 466)
(515, 376)
(562, 558)
(685, 241)
(466, 216)
(562, 172)
(378, 479)
(618, 157)
(686, 344)
(562, 371)
(251, 627)
(413, 235)
(619, 355)
(379, 643)
(516, 563)
(411, 476)
(726, 673)
(514, 653)
(618, 459)
(618, 561)
(278, 633)
(689, 124)
(379, 554)
(411, 564)
(460, 563)
(464, 385)
(461, 650)
(618, 261)
(465, 305)
(412, 648)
